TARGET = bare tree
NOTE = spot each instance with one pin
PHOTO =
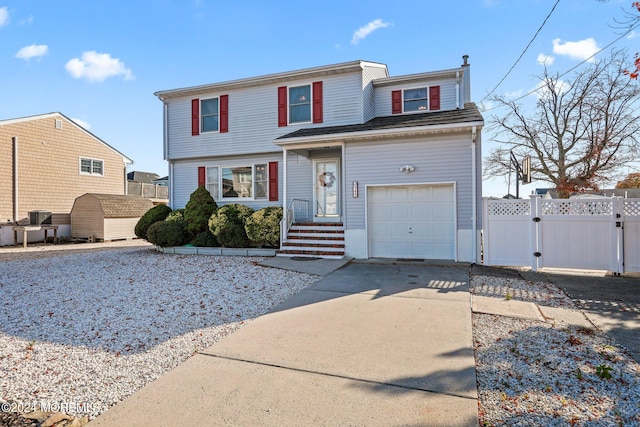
(580, 133)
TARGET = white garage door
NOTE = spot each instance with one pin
(414, 221)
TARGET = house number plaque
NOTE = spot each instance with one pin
(354, 189)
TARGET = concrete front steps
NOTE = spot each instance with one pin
(323, 240)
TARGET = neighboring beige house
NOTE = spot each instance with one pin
(46, 162)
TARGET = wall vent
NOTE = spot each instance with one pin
(58, 124)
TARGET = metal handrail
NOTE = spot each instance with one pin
(297, 210)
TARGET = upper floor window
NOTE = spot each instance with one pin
(91, 166)
(209, 114)
(415, 99)
(300, 104)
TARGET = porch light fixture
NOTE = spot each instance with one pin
(407, 169)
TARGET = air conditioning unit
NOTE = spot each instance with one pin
(39, 217)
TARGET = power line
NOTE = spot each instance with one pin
(523, 52)
(570, 69)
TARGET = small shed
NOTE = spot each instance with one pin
(106, 217)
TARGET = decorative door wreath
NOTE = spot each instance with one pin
(327, 179)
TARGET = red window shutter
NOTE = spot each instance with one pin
(434, 98)
(195, 117)
(317, 102)
(202, 176)
(396, 102)
(282, 106)
(224, 113)
(273, 181)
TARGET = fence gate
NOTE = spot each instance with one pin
(598, 234)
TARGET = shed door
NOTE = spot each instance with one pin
(413, 221)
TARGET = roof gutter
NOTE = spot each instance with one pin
(380, 134)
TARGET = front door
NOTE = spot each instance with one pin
(326, 193)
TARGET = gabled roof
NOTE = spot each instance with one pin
(125, 159)
(393, 125)
(307, 73)
(121, 206)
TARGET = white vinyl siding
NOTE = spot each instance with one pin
(445, 159)
(253, 119)
(370, 73)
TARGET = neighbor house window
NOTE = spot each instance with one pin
(91, 166)
(415, 99)
(300, 104)
(246, 182)
(209, 115)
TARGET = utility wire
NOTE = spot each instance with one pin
(570, 69)
(523, 52)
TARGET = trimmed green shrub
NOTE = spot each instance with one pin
(176, 215)
(166, 233)
(153, 215)
(198, 211)
(263, 226)
(227, 224)
(205, 239)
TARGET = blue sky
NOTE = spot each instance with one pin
(99, 62)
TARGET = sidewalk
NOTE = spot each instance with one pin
(366, 345)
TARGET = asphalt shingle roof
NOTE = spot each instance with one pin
(122, 206)
(467, 114)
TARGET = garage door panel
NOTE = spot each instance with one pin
(425, 210)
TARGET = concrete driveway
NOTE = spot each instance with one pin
(366, 345)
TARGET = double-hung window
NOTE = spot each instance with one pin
(245, 182)
(415, 99)
(91, 166)
(209, 113)
(300, 104)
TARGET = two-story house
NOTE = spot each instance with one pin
(46, 162)
(364, 164)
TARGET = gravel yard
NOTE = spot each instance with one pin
(88, 328)
(533, 373)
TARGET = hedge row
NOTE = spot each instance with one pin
(202, 223)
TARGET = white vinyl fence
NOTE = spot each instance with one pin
(594, 234)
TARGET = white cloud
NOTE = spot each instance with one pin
(581, 50)
(633, 35)
(542, 91)
(546, 60)
(514, 94)
(27, 21)
(33, 51)
(82, 123)
(4, 16)
(363, 32)
(97, 67)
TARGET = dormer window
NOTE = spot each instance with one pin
(415, 100)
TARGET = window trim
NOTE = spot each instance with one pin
(310, 102)
(202, 115)
(91, 162)
(426, 98)
(253, 181)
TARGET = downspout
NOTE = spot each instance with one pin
(457, 90)
(474, 204)
(15, 179)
